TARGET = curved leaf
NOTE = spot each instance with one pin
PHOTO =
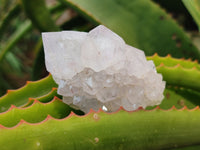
(31, 90)
(37, 112)
(179, 97)
(171, 62)
(140, 130)
(141, 23)
(194, 9)
(45, 98)
(179, 76)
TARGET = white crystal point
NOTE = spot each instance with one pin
(99, 70)
(62, 53)
(107, 53)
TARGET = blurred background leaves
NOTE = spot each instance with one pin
(155, 26)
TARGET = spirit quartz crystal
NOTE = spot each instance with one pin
(99, 70)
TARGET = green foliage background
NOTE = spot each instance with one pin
(158, 27)
(143, 24)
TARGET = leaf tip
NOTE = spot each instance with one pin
(27, 82)
(168, 55)
(9, 91)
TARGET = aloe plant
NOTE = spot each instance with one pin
(34, 116)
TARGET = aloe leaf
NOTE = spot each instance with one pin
(40, 15)
(178, 72)
(193, 7)
(179, 76)
(45, 98)
(151, 30)
(138, 130)
(171, 62)
(37, 112)
(30, 90)
(21, 31)
(179, 98)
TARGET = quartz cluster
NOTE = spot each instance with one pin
(99, 70)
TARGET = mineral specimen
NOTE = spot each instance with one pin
(99, 70)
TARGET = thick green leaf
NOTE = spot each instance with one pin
(179, 76)
(178, 72)
(31, 90)
(172, 62)
(37, 112)
(45, 98)
(141, 23)
(140, 130)
(179, 98)
(194, 8)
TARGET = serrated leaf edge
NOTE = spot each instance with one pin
(72, 114)
(35, 101)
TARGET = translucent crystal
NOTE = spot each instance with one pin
(99, 70)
